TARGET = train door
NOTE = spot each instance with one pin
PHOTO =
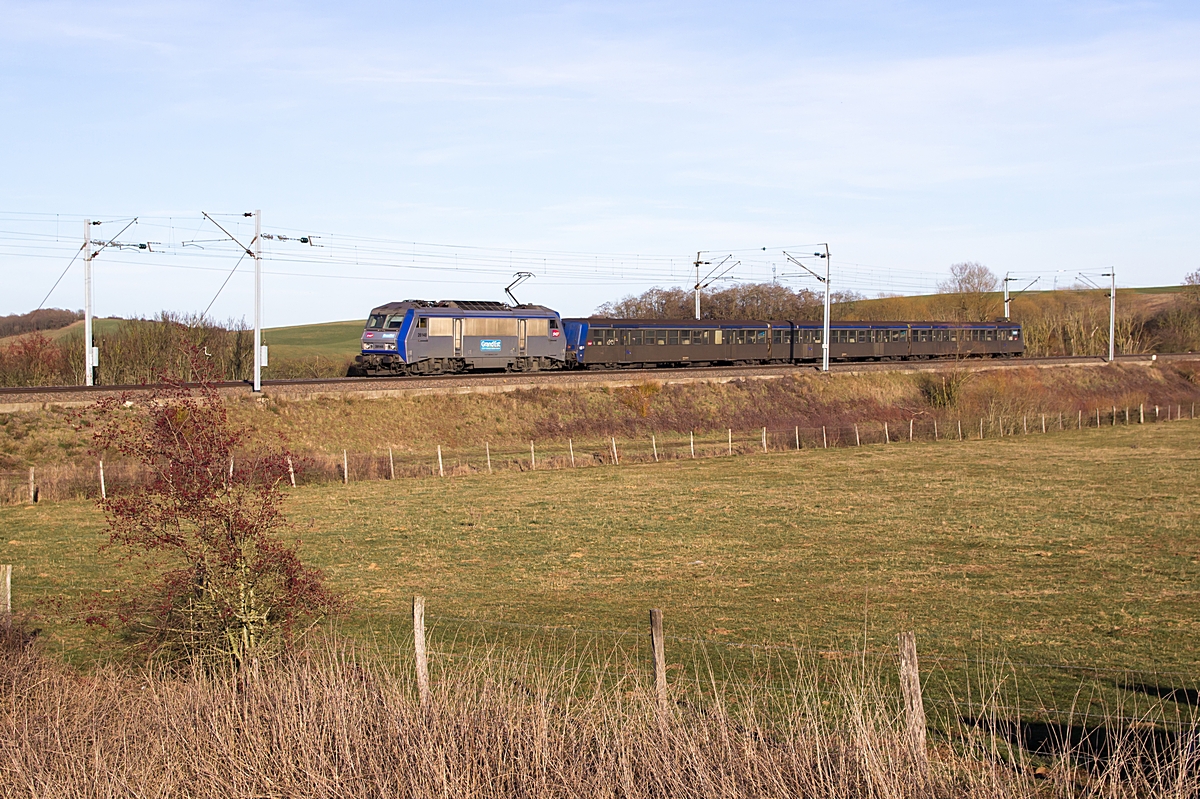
(521, 342)
(878, 338)
(458, 334)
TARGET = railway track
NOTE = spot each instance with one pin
(24, 398)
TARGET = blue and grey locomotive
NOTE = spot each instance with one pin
(422, 337)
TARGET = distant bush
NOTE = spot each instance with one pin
(942, 390)
(137, 351)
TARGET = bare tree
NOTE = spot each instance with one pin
(969, 277)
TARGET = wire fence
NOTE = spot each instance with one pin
(967, 686)
(68, 481)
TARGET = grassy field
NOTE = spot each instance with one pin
(335, 340)
(1078, 548)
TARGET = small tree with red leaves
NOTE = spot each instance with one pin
(227, 588)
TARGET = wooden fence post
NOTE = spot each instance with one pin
(422, 655)
(291, 471)
(960, 429)
(33, 492)
(532, 457)
(764, 439)
(887, 437)
(654, 446)
(692, 435)
(487, 453)
(1001, 426)
(1079, 419)
(857, 440)
(981, 430)
(616, 459)
(1142, 413)
(660, 663)
(1025, 424)
(391, 464)
(1156, 413)
(441, 471)
(910, 429)
(914, 708)
(935, 434)
(797, 436)
(1114, 418)
(104, 491)
(824, 438)
(6, 589)
(1043, 423)
(1097, 417)
(731, 441)
(570, 448)
(1060, 421)
(345, 468)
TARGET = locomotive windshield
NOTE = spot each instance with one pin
(376, 321)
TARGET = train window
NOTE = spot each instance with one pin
(635, 338)
(1016, 334)
(596, 336)
(685, 337)
(441, 326)
(554, 324)
(816, 336)
(395, 321)
(672, 336)
(699, 336)
(717, 336)
(991, 335)
(376, 321)
(423, 323)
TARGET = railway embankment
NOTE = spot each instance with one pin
(467, 412)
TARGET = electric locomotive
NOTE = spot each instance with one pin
(447, 336)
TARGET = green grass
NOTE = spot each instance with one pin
(334, 340)
(1077, 548)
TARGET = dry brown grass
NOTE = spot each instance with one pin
(335, 722)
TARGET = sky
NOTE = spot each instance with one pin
(435, 149)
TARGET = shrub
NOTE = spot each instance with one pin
(228, 589)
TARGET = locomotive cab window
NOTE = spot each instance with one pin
(376, 321)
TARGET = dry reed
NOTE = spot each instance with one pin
(335, 722)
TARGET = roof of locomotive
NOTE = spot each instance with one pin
(470, 306)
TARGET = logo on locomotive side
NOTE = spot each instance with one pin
(489, 345)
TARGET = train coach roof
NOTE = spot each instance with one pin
(608, 321)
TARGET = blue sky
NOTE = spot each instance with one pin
(608, 141)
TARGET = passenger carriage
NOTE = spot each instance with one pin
(611, 343)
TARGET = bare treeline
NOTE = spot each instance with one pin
(1065, 322)
(744, 301)
(41, 319)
